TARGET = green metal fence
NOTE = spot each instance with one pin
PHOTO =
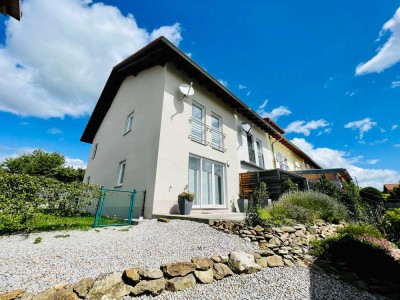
(115, 208)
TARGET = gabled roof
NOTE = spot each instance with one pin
(159, 52)
(390, 186)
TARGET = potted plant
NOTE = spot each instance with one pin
(185, 201)
(243, 202)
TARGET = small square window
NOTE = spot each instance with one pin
(129, 123)
(121, 173)
(94, 150)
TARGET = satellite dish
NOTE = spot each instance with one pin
(186, 90)
(246, 127)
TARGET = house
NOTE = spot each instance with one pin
(11, 8)
(387, 187)
(146, 135)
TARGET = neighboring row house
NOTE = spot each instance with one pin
(145, 135)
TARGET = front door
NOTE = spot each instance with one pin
(207, 181)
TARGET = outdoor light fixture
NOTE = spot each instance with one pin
(246, 127)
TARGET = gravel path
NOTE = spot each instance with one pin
(272, 284)
(35, 267)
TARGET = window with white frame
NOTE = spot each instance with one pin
(260, 154)
(94, 150)
(129, 123)
(121, 173)
(216, 132)
(198, 128)
(250, 146)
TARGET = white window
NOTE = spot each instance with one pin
(94, 150)
(216, 132)
(250, 146)
(121, 173)
(198, 129)
(129, 123)
(207, 182)
(260, 154)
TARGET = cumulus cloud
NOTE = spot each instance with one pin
(56, 61)
(389, 53)
(372, 161)
(242, 86)
(54, 131)
(305, 127)
(75, 163)
(395, 84)
(395, 126)
(362, 126)
(248, 93)
(223, 82)
(331, 158)
(273, 114)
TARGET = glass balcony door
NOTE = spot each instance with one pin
(207, 181)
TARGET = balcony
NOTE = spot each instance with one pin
(198, 134)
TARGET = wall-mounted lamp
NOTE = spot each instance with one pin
(246, 127)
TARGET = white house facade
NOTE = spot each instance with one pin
(145, 136)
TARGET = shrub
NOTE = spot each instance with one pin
(254, 206)
(22, 196)
(391, 224)
(367, 255)
(326, 187)
(371, 193)
(289, 186)
(306, 207)
(360, 229)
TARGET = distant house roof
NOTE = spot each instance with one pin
(340, 171)
(11, 8)
(389, 186)
(159, 52)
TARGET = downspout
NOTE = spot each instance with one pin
(273, 152)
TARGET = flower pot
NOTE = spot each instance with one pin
(242, 204)
(185, 206)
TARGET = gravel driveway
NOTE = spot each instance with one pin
(35, 267)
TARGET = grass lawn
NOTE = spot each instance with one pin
(47, 222)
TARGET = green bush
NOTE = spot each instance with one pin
(366, 255)
(289, 186)
(306, 207)
(371, 193)
(391, 224)
(22, 196)
(256, 199)
(359, 229)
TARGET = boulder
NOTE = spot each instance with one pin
(109, 285)
(263, 262)
(51, 294)
(265, 252)
(216, 258)
(202, 263)
(150, 273)
(11, 295)
(61, 285)
(153, 287)
(258, 228)
(221, 271)
(275, 261)
(83, 286)
(204, 276)
(45, 295)
(288, 229)
(180, 283)
(26, 296)
(274, 241)
(242, 262)
(131, 276)
(178, 269)
(288, 262)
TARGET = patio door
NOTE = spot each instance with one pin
(207, 181)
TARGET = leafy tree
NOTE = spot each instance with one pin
(289, 186)
(371, 193)
(326, 187)
(41, 163)
(395, 193)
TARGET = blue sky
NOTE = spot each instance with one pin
(329, 73)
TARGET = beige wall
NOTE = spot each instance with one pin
(175, 144)
(142, 94)
(291, 156)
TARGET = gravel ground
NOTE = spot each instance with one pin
(35, 267)
(273, 284)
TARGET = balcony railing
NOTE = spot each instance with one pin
(198, 131)
(217, 139)
(252, 155)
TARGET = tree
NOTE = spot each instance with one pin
(371, 193)
(41, 163)
(394, 194)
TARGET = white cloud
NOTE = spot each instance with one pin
(389, 53)
(326, 130)
(363, 126)
(306, 127)
(56, 61)
(248, 93)
(351, 93)
(242, 86)
(397, 145)
(54, 131)
(331, 158)
(377, 142)
(75, 163)
(372, 161)
(394, 127)
(395, 84)
(223, 82)
(273, 114)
